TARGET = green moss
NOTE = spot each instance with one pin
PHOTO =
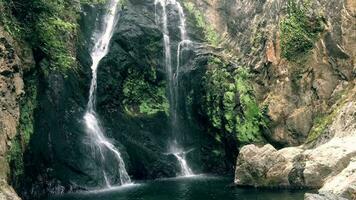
(322, 122)
(28, 105)
(25, 131)
(92, 2)
(8, 21)
(249, 123)
(299, 31)
(229, 103)
(49, 26)
(55, 33)
(320, 125)
(210, 35)
(14, 157)
(143, 95)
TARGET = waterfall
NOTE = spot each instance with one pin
(94, 129)
(173, 76)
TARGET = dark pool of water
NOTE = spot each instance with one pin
(193, 188)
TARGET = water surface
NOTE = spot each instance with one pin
(192, 188)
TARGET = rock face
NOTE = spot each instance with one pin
(7, 192)
(132, 100)
(13, 62)
(330, 165)
(295, 92)
(132, 95)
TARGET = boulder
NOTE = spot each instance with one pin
(344, 184)
(325, 196)
(330, 166)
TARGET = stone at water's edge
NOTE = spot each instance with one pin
(309, 196)
(330, 166)
(7, 192)
(344, 183)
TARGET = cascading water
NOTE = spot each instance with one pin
(185, 42)
(173, 76)
(94, 129)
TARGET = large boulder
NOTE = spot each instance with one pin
(330, 165)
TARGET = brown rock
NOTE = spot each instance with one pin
(300, 122)
(330, 165)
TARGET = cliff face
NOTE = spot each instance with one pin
(297, 83)
(15, 61)
(267, 71)
(308, 91)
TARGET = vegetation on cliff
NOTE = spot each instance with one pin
(208, 32)
(230, 104)
(50, 29)
(49, 26)
(299, 31)
(143, 95)
(25, 131)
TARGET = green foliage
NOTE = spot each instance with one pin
(91, 2)
(25, 131)
(230, 104)
(142, 95)
(14, 157)
(320, 125)
(250, 122)
(322, 122)
(49, 26)
(8, 21)
(210, 35)
(55, 34)
(299, 31)
(28, 105)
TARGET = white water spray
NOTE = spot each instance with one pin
(94, 129)
(173, 76)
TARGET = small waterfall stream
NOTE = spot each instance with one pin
(173, 76)
(94, 129)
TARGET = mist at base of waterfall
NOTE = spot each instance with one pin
(199, 187)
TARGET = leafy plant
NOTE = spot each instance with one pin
(25, 130)
(144, 96)
(49, 26)
(229, 102)
(209, 32)
(298, 30)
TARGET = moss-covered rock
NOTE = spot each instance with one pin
(143, 96)
(230, 104)
(25, 131)
(299, 31)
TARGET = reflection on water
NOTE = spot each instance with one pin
(191, 188)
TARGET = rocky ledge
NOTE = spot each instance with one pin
(328, 164)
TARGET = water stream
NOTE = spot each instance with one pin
(175, 149)
(94, 129)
